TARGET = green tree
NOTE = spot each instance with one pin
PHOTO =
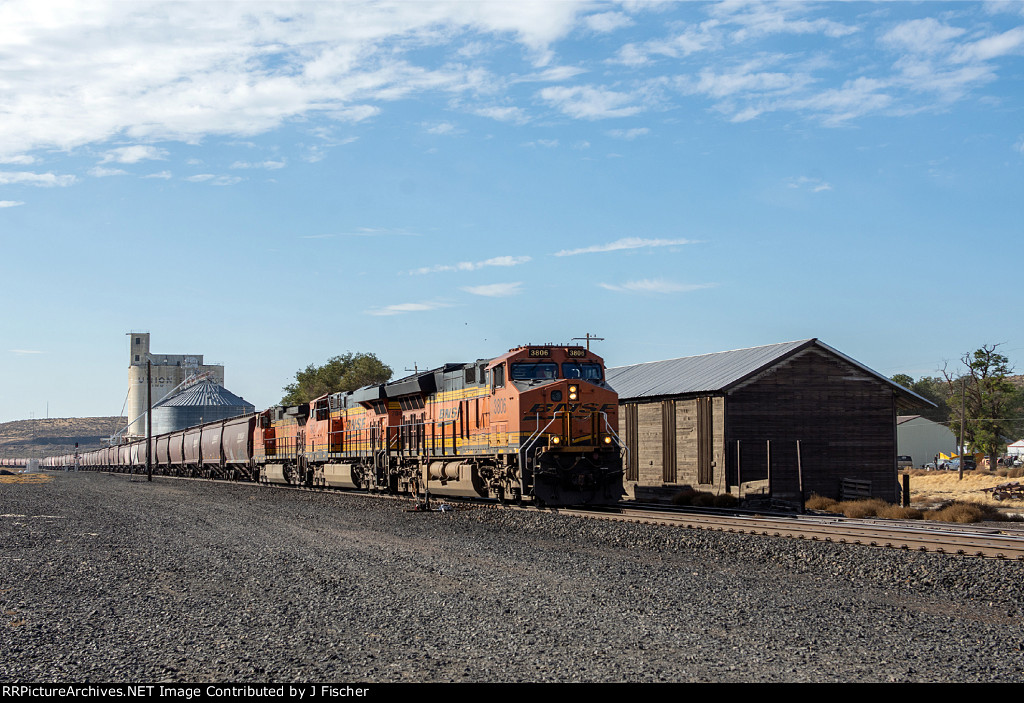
(988, 398)
(341, 373)
(932, 388)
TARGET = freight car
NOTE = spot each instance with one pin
(537, 424)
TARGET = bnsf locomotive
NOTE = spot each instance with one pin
(536, 424)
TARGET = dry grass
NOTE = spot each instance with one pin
(25, 478)
(953, 511)
(929, 488)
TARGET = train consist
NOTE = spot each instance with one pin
(538, 424)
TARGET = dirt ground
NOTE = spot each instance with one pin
(930, 487)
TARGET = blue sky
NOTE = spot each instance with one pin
(270, 184)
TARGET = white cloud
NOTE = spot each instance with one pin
(1019, 146)
(501, 261)
(45, 180)
(441, 128)
(625, 243)
(402, 308)
(496, 290)
(184, 71)
(607, 21)
(159, 174)
(590, 103)
(25, 351)
(19, 159)
(923, 36)
(100, 172)
(269, 165)
(757, 19)
(816, 185)
(11, 203)
(214, 180)
(1009, 42)
(503, 114)
(133, 154)
(546, 143)
(628, 134)
(655, 286)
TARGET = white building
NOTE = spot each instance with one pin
(923, 439)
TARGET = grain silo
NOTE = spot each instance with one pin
(203, 401)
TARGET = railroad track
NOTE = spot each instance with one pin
(975, 541)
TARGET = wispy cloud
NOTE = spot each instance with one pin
(402, 308)
(101, 172)
(269, 165)
(213, 180)
(816, 185)
(133, 154)
(655, 286)
(628, 134)
(45, 180)
(11, 203)
(473, 265)
(626, 243)
(496, 290)
(441, 128)
(503, 114)
(25, 351)
(607, 21)
(159, 174)
(590, 103)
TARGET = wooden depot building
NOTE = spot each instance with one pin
(762, 420)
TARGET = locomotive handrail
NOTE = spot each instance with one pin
(615, 434)
(521, 454)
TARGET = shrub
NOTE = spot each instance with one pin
(684, 496)
(817, 502)
(726, 500)
(957, 512)
(898, 512)
(702, 500)
(962, 511)
(861, 508)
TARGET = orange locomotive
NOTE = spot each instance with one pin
(538, 423)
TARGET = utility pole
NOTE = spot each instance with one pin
(589, 337)
(149, 420)
(963, 405)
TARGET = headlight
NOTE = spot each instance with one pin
(607, 439)
(573, 392)
(556, 440)
(556, 396)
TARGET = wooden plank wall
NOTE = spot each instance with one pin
(676, 442)
(843, 417)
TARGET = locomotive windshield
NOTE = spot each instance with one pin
(585, 371)
(528, 372)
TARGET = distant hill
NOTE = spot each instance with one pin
(36, 439)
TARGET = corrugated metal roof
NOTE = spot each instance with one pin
(707, 373)
(203, 393)
(717, 372)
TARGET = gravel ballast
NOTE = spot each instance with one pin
(109, 578)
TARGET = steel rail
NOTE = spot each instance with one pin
(944, 539)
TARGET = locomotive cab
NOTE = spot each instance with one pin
(553, 405)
